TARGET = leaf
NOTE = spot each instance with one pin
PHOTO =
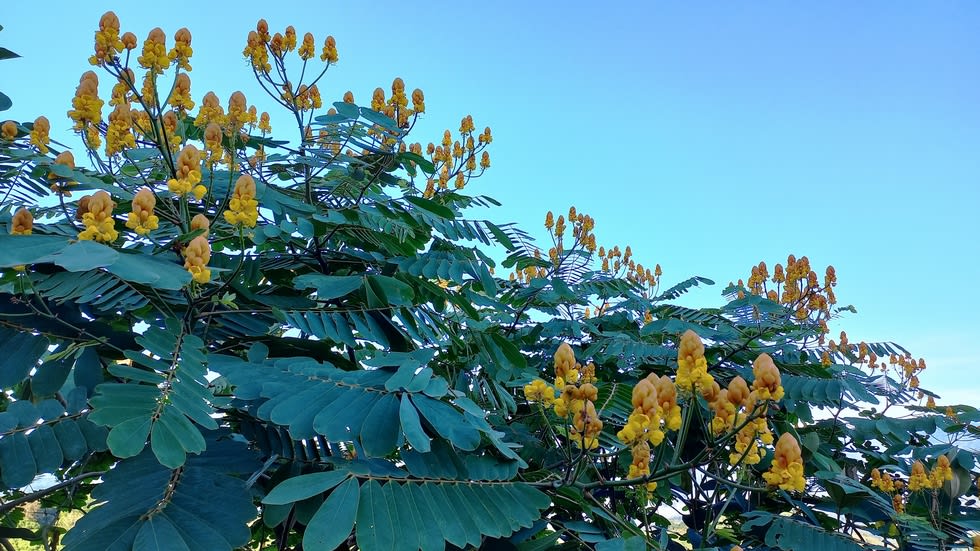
(329, 287)
(21, 351)
(17, 459)
(334, 520)
(128, 438)
(431, 206)
(150, 270)
(412, 427)
(379, 435)
(7, 54)
(5, 102)
(83, 256)
(374, 527)
(159, 534)
(303, 486)
(393, 291)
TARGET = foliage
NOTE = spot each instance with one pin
(216, 339)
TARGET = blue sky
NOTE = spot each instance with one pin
(707, 135)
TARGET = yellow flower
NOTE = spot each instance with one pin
(586, 426)
(212, 144)
(211, 111)
(86, 109)
(107, 42)
(9, 130)
(918, 479)
(692, 367)
(119, 134)
(329, 52)
(180, 98)
(308, 48)
(201, 222)
(65, 158)
(129, 41)
(941, 473)
(98, 221)
(289, 42)
(39, 135)
(238, 112)
(188, 169)
(264, 125)
(786, 471)
(767, 380)
(182, 51)
(22, 222)
(196, 258)
(466, 126)
(667, 398)
(154, 56)
(418, 101)
(243, 207)
(256, 53)
(142, 220)
(539, 391)
(485, 161)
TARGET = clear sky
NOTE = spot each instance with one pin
(708, 135)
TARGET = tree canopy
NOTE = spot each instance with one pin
(214, 338)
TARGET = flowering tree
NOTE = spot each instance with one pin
(214, 339)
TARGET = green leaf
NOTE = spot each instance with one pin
(329, 287)
(393, 291)
(374, 527)
(431, 206)
(304, 486)
(380, 431)
(159, 534)
(16, 250)
(128, 438)
(412, 427)
(17, 459)
(83, 256)
(21, 351)
(150, 270)
(5, 102)
(7, 54)
(334, 520)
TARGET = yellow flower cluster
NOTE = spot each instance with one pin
(644, 423)
(86, 109)
(797, 287)
(22, 222)
(577, 399)
(197, 254)
(97, 218)
(119, 133)
(264, 126)
(180, 97)
(919, 478)
(8, 130)
(181, 52)
(692, 367)
(243, 207)
(539, 391)
(259, 44)
(238, 113)
(39, 135)
(141, 219)
(767, 384)
(188, 174)
(122, 90)
(211, 111)
(640, 465)
(786, 471)
(454, 160)
(107, 41)
(154, 57)
(60, 185)
(307, 98)
(201, 222)
(213, 149)
(620, 263)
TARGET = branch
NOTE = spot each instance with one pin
(34, 496)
